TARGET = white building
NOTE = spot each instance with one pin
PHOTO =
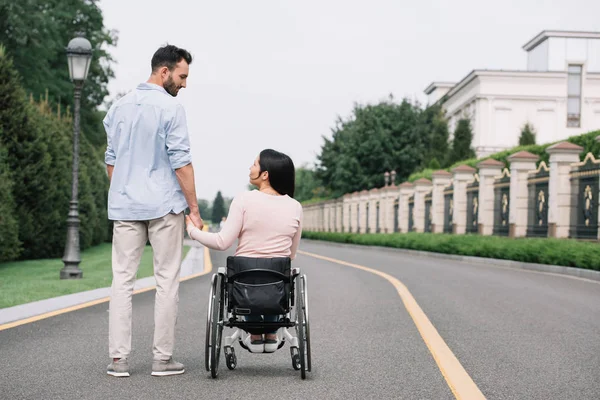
(558, 94)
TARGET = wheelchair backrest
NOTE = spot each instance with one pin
(258, 285)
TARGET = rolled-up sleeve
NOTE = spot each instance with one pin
(109, 156)
(178, 142)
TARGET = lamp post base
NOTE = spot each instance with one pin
(72, 256)
(71, 272)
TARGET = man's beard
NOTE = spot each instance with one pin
(171, 87)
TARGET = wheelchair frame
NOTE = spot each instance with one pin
(219, 316)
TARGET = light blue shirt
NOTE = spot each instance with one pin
(147, 140)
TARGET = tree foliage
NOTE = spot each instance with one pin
(218, 208)
(527, 135)
(378, 138)
(433, 129)
(461, 144)
(308, 185)
(10, 246)
(37, 145)
(36, 33)
(204, 208)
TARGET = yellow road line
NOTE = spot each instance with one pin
(460, 383)
(207, 269)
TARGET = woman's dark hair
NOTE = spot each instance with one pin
(168, 56)
(282, 174)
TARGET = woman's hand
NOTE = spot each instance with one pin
(189, 225)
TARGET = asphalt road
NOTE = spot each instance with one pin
(519, 335)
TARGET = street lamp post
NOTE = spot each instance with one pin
(79, 55)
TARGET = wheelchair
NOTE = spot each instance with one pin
(257, 286)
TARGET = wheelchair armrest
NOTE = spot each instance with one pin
(295, 271)
(222, 271)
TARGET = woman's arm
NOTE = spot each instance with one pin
(296, 238)
(231, 229)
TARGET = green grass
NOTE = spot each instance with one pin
(565, 252)
(26, 281)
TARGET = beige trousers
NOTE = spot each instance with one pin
(129, 240)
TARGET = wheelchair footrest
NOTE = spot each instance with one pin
(245, 325)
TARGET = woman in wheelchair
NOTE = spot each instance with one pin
(266, 222)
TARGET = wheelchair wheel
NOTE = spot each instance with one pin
(307, 322)
(214, 331)
(208, 337)
(230, 357)
(217, 326)
(301, 326)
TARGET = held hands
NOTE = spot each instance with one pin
(193, 221)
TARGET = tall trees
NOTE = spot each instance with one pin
(461, 144)
(218, 208)
(35, 147)
(35, 34)
(374, 139)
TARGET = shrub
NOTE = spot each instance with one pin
(564, 252)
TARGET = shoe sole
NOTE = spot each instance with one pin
(167, 373)
(118, 374)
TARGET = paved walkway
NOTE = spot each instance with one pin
(379, 320)
(192, 264)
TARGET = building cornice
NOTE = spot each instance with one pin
(540, 37)
(502, 73)
(435, 85)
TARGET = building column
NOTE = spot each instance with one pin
(354, 207)
(330, 215)
(406, 190)
(463, 175)
(441, 180)
(386, 207)
(383, 212)
(562, 155)
(521, 164)
(393, 193)
(422, 187)
(362, 207)
(347, 211)
(337, 214)
(373, 198)
(488, 170)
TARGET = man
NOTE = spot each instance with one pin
(151, 183)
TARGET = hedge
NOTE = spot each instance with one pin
(35, 177)
(564, 252)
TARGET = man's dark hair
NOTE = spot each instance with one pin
(282, 174)
(168, 56)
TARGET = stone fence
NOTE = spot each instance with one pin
(526, 198)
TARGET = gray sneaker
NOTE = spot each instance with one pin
(168, 367)
(119, 368)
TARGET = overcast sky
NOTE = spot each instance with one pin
(276, 74)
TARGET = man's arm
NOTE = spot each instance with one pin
(109, 171)
(178, 150)
(185, 177)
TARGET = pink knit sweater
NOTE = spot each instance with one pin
(266, 226)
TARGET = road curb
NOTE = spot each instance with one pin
(553, 269)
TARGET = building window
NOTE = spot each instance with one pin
(574, 96)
